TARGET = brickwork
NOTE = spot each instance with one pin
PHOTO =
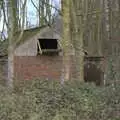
(50, 67)
(40, 66)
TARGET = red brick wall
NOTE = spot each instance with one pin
(38, 66)
(50, 67)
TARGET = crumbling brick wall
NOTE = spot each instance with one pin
(47, 67)
(50, 67)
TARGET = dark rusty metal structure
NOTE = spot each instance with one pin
(94, 70)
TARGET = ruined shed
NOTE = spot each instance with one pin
(39, 56)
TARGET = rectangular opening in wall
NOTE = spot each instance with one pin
(48, 47)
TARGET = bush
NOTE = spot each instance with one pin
(48, 100)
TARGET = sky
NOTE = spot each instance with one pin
(32, 14)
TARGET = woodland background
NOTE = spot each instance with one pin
(93, 23)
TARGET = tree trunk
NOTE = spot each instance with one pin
(78, 30)
(42, 20)
(10, 66)
(66, 40)
(11, 28)
(12, 41)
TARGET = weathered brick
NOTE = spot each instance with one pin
(50, 67)
(39, 66)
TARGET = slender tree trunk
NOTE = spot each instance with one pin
(48, 11)
(12, 41)
(10, 66)
(11, 27)
(79, 21)
(109, 68)
(39, 12)
(42, 12)
(66, 39)
(79, 57)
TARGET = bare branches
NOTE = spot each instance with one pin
(23, 22)
(49, 11)
(4, 14)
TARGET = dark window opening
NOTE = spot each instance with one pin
(48, 47)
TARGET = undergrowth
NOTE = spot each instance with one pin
(49, 100)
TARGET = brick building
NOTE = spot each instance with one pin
(40, 56)
(39, 53)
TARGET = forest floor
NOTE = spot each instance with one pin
(49, 100)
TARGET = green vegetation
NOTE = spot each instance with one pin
(48, 100)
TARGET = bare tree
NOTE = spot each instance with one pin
(13, 40)
(66, 42)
